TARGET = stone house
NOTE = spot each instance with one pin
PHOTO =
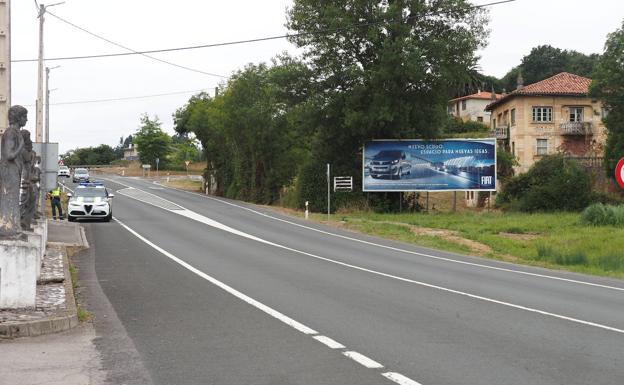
(555, 115)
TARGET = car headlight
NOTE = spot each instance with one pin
(395, 161)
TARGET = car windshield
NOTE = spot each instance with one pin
(63, 167)
(90, 192)
(80, 171)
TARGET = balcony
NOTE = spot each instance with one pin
(576, 128)
(500, 132)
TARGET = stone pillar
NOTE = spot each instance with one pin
(18, 273)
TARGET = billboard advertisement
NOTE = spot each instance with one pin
(429, 165)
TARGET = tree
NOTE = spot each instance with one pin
(102, 154)
(545, 61)
(608, 86)
(152, 141)
(381, 69)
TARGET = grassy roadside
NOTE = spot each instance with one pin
(184, 184)
(553, 240)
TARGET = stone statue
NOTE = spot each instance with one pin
(11, 146)
(26, 203)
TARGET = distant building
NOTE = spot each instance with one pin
(131, 153)
(472, 107)
(547, 117)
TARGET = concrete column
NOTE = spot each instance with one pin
(18, 274)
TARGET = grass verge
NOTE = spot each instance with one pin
(553, 240)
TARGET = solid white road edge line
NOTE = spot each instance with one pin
(361, 359)
(399, 378)
(390, 247)
(329, 342)
(210, 222)
(403, 250)
(273, 313)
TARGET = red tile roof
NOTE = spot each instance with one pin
(563, 84)
(479, 95)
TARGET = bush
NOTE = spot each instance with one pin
(549, 254)
(600, 214)
(455, 125)
(552, 184)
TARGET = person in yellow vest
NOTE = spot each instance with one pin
(55, 200)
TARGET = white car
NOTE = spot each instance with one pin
(90, 201)
(63, 171)
(81, 175)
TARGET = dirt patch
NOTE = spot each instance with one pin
(520, 236)
(453, 236)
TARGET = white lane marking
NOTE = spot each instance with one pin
(210, 222)
(399, 378)
(272, 312)
(363, 360)
(360, 358)
(329, 342)
(406, 251)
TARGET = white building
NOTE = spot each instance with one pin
(472, 107)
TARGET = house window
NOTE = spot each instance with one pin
(576, 114)
(513, 148)
(493, 123)
(542, 114)
(463, 105)
(480, 119)
(542, 147)
(513, 116)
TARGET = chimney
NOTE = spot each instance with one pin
(519, 81)
(493, 96)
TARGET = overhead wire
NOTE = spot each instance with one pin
(127, 97)
(130, 49)
(236, 42)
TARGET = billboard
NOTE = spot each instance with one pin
(429, 165)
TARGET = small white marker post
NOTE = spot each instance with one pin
(306, 211)
(328, 191)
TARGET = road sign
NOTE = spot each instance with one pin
(187, 162)
(157, 161)
(61, 163)
(147, 166)
(619, 173)
(343, 183)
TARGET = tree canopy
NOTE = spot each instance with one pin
(100, 155)
(152, 141)
(608, 86)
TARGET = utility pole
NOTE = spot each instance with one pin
(39, 104)
(47, 104)
(5, 64)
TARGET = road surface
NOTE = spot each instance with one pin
(189, 289)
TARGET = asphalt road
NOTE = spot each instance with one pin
(188, 289)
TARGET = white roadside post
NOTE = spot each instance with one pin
(328, 191)
(306, 210)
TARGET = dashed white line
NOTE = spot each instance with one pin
(211, 222)
(329, 342)
(357, 357)
(363, 360)
(399, 378)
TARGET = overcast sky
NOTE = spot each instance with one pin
(153, 24)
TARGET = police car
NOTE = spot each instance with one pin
(90, 201)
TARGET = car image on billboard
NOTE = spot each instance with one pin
(429, 165)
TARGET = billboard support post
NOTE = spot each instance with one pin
(427, 201)
(454, 201)
(328, 191)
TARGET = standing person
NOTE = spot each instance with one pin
(55, 199)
